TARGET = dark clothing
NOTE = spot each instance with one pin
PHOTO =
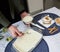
(9, 11)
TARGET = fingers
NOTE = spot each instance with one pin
(24, 14)
(14, 35)
(15, 31)
(19, 33)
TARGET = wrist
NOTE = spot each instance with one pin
(8, 25)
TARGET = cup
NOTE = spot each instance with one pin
(57, 21)
(1, 35)
(27, 19)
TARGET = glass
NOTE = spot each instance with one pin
(2, 31)
(1, 36)
(57, 21)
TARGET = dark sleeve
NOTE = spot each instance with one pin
(3, 20)
(18, 5)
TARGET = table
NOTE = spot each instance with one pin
(53, 41)
(48, 39)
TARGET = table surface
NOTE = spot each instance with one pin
(52, 41)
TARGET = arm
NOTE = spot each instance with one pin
(18, 5)
(15, 32)
(3, 20)
(21, 12)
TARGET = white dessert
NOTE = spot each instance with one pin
(27, 19)
(47, 20)
(27, 42)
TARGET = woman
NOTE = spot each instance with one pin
(11, 9)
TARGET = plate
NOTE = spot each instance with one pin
(42, 46)
(40, 16)
(45, 31)
(46, 25)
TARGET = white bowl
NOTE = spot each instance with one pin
(57, 21)
(27, 19)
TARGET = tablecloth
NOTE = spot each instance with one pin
(52, 41)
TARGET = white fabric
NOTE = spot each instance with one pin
(53, 42)
(51, 10)
(46, 38)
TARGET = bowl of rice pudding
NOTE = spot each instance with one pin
(27, 19)
(57, 20)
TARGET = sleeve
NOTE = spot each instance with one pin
(18, 5)
(3, 20)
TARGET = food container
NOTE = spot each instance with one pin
(27, 19)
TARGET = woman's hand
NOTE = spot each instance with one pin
(23, 14)
(14, 31)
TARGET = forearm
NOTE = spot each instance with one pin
(3, 20)
(18, 5)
